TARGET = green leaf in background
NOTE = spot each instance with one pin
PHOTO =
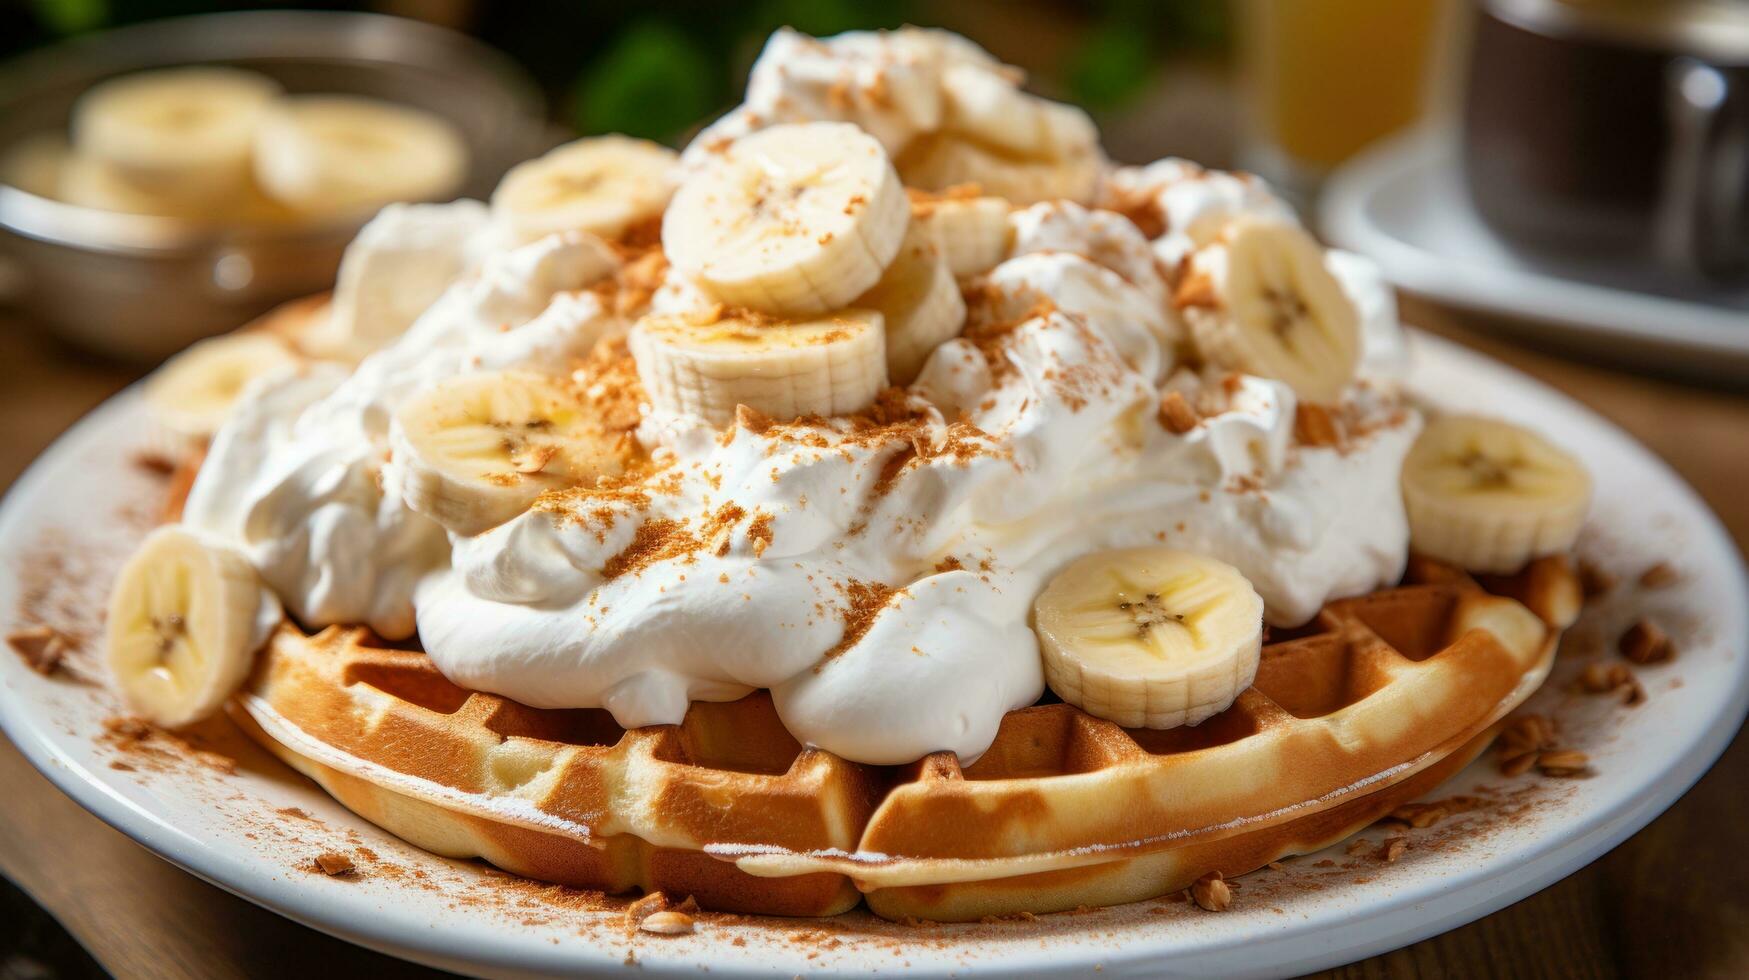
(1112, 65)
(71, 16)
(820, 17)
(652, 81)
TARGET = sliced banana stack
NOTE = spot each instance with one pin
(474, 451)
(920, 303)
(185, 619)
(192, 393)
(181, 134)
(1489, 496)
(1149, 637)
(942, 160)
(335, 153)
(970, 229)
(601, 184)
(1263, 302)
(785, 369)
(990, 109)
(793, 220)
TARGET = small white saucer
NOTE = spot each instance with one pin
(1404, 205)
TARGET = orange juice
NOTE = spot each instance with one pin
(1327, 77)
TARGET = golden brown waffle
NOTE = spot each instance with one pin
(1372, 704)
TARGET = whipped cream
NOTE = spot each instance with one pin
(889, 83)
(875, 573)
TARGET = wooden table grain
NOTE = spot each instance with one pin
(1671, 901)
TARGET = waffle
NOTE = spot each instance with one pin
(1373, 703)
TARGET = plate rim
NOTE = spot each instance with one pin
(1581, 308)
(1353, 933)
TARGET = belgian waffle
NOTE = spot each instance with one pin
(1373, 703)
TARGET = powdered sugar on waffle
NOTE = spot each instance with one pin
(875, 573)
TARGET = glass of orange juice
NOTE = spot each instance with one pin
(1321, 79)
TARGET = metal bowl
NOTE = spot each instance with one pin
(140, 287)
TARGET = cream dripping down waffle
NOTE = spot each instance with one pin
(887, 498)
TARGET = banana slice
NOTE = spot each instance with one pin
(990, 109)
(971, 229)
(793, 220)
(920, 303)
(93, 183)
(943, 160)
(1149, 637)
(704, 367)
(192, 393)
(1264, 302)
(334, 153)
(1489, 496)
(182, 133)
(602, 185)
(474, 451)
(185, 619)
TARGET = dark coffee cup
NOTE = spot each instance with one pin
(1614, 126)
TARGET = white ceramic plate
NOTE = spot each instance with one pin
(1404, 205)
(77, 512)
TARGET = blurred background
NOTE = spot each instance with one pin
(1563, 184)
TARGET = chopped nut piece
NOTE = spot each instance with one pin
(42, 648)
(1645, 643)
(1176, 415)
(1393, 849)
(1527, 734)
(1211, 892)
(1357, 845)
(667, 923)
(643, 908)
(1616, 679)
(1594, 581)
(1276, 866)
(1314, 426)
(1659, 576)
(536, 459)
(1563, 762)
(333, 864)
(1421, 815)
(1517, 765)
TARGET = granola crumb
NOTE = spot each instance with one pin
(642, 909)
(155, 463)
(1314, 426)
(1393, 849)
(1613, 679)
(334, 864)
(1176, 415)
(42, 648)
(1276, 866)
(1563, 762)
(1659, 576)
(1211, 892)
(1645, 643)
(1594, 581)
(1521, 742)
(668, 922)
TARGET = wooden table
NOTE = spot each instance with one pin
(1670, 901)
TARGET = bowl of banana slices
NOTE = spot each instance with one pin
(163, 182)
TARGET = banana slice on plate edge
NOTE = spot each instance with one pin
(186, 617)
